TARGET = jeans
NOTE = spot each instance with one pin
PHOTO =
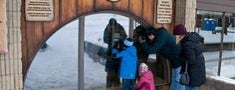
(190, 88)
(175, 85)
(128, 84)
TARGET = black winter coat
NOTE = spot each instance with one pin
(109, 36)
(191, 50)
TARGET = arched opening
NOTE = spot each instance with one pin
(143, 12)
(66, 11)
(94, 29)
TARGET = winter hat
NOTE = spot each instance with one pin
(150, 31)
(143, 68)
(128, 42)
(180, 30)
(112, 20)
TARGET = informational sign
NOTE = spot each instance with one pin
(3, 28)
(39, 10)
(164, 11)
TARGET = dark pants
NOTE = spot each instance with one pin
(128, 84)
(112, 68)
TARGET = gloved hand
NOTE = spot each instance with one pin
(141, 40)
(114, 51)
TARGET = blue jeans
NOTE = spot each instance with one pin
(190, 88)
(175, 85)
(128, 84)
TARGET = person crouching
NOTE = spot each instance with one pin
(146, 81)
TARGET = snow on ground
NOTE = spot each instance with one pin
(94, 28)
(57, 67)
(95, 76)
(227, 68)
(224, 79)
(215, 38)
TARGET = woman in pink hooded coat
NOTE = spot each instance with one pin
(146, 81)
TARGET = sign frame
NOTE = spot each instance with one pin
(39, 10)
(164, 11)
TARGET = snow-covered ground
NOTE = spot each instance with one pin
(216, 38)
(57, 67)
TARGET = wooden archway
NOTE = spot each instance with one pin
(35, 33)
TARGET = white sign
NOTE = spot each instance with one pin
(3, 28)
(164, 11)
(39, 10)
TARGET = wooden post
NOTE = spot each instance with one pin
(221, 43)
(131, 27)
(81, 53)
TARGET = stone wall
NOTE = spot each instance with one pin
(10, 62)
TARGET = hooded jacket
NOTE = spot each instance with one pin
(128, 64)
(146, 81)
(113, 28)
(165, 44)
(192, 48)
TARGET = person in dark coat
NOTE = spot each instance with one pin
(139, 31)
(164, 43)
(114, 34)
(192, 49)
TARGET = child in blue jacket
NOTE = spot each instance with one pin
(128, 66)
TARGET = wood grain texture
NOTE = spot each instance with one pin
(67, 10)
(34, 34)
(148, 11)
(85, 6)
(49, 26)
(102, 5)
(136, 7)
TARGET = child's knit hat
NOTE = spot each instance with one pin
(128, 42)
(143, 68)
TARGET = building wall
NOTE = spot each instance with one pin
(11, 65)
(185, 13)
(10, 62)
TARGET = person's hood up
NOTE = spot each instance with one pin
(194, 37)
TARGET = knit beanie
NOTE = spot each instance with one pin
(180, 30)
(128, 42)
(143, 68)
(150, 31)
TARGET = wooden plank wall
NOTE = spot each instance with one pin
(34, 34)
